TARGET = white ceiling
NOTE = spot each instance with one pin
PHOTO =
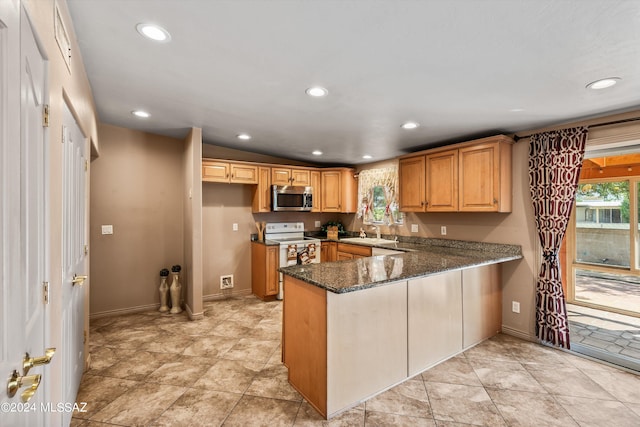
(461, 68)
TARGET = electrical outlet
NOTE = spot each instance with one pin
(414, 228)
(443, 230)
(235, 226)
(318, 225)
(515, 306)
(226, 282)
(107, 229)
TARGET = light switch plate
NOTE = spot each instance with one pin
(414, 228)
(515, 306)
(107, 229)
(235, 226)
(443, 230)
(318, 225)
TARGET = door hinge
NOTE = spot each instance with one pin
(86, 249)
(84, 336)
(45, 116)
(45, 292)
(86, 165)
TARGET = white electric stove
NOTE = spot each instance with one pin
(295, 248)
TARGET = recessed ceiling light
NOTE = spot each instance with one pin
(410, 125)
(317, 153)
(141, 114)
(366, 156)
(603, 83)
(154, 32)
(516, 110)
(317, 91)
(244, 136)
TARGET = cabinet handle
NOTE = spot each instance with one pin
(495, 201)
(422, 203)
(426, 203)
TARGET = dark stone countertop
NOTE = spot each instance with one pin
(426, 257)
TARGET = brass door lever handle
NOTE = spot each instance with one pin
(78, 280)
(32, 382)
(29, 362)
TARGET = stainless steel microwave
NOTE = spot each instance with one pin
(291, 198)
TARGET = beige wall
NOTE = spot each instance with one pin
(515, 228)
(226, 251)
(136, 186)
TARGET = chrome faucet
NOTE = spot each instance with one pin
(377, 231)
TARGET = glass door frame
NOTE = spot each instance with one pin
(634, 235)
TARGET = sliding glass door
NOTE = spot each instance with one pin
(605, 268)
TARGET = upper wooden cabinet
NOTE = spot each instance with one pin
(411, 175)
(229, 172)
(316, 185)
(474, 176)
(261, 198)
(442, 182)
(339, 190)
(485, 177)
(290, 176)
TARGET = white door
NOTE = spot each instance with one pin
(73, 257)
(24, 228)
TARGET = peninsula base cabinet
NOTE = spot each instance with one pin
(342, 349)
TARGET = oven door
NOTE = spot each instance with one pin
(297, 254)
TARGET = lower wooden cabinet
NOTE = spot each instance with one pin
(264, 270)
(347, 251)
(329, 251)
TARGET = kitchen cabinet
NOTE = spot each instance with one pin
(485, 176)
(348, 251)
(411, 178)
(261, 197)
(316, 185)
(328, 252)
(290, 176)
(442, 181)
(339, 190)
(474, 176)
(265, 262)
(229, 172)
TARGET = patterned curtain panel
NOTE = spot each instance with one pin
(555, 160)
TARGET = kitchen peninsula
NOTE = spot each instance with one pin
(352, 329)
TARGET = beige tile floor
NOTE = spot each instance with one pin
(150, 369)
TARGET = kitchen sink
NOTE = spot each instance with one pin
(367, 240)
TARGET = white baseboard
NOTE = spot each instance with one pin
(148, 307)
(121, 311)
(507, 330)
(219, 296)
(192, 315)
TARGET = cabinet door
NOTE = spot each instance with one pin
(272, 264)
(411, 175)
(244, 174)
(280, 176)
(316, 185)
(331, 191)
(442, 181)
(301, 177)
(215, 171)
(262, 192)
(479, 178)
(344, 255)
